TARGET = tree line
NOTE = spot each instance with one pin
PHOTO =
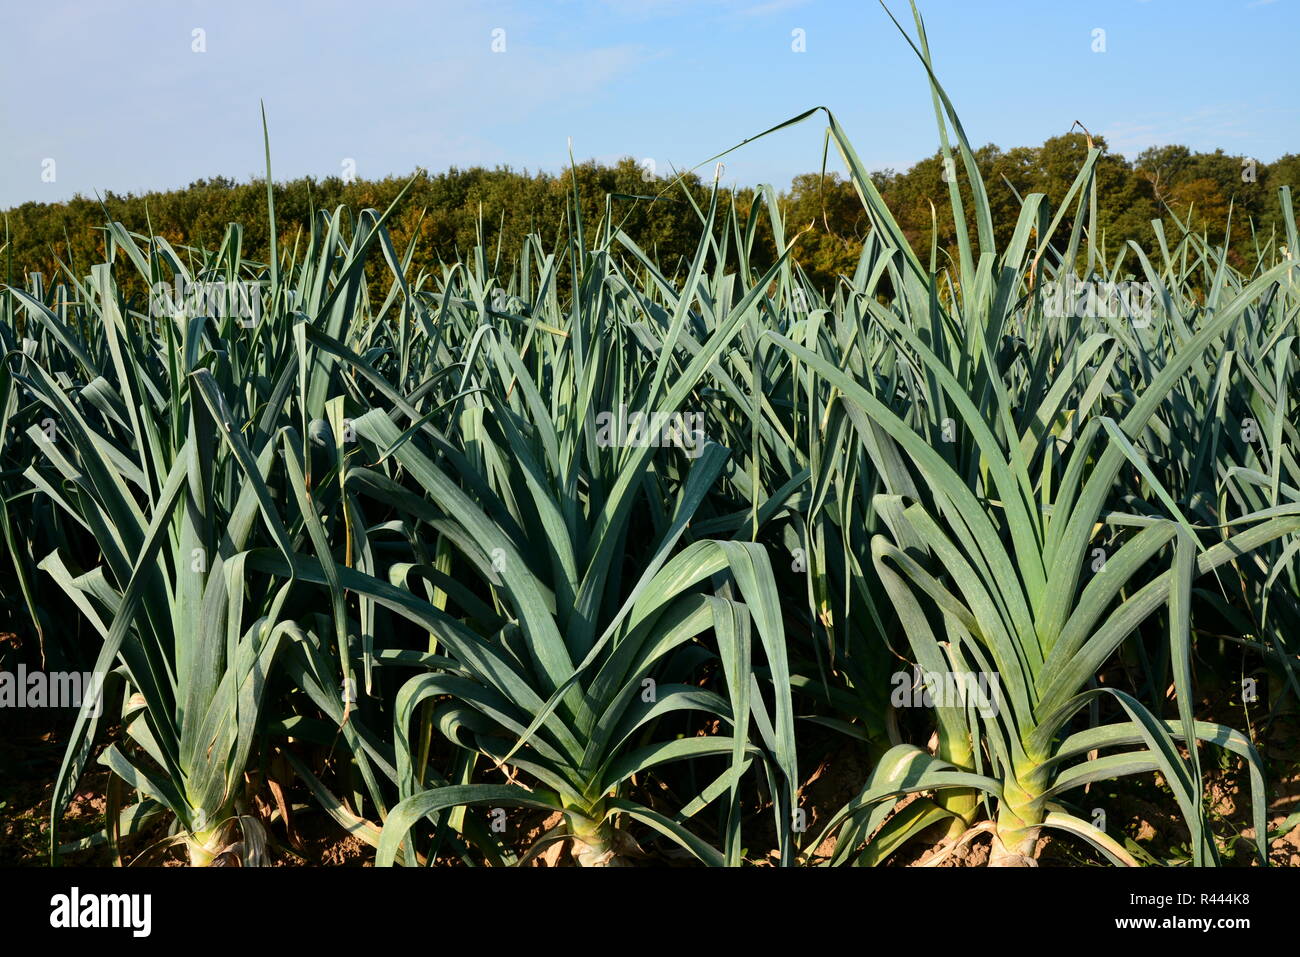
(445, 213)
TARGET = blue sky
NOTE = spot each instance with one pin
(114, 93)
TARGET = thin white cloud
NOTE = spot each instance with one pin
(1209, 127)
(771, 7)
(645, 9)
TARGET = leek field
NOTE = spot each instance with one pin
(585, 558)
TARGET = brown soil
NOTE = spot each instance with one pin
(1140, 811)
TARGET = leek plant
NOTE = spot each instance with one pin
(132, 457)
(595, 537)
(569, 552)
(1000, 473)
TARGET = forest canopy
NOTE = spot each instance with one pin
(1216, 193)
